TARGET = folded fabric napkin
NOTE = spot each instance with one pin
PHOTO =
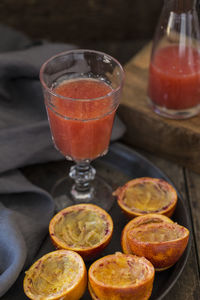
(25, 209)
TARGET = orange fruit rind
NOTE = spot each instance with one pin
(57, 275)
(121, 276)
(146, 195)
(161, 243)
(84, 228)
(141, 220)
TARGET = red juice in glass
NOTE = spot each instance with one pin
(174, 78)
(80, 126)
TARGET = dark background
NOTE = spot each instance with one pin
(118, 27)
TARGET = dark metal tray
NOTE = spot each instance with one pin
(131, 164)
(117, 167)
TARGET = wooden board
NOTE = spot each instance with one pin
(177, 140)
(188, 286)
(193, 183)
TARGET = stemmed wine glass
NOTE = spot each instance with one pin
(82, 91)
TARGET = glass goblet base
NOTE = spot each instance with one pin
(174, 113)
(99, 194)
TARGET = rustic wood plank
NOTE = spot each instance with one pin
(193, 181)
(188, 286)
(177, 140)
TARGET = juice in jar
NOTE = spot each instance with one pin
(81, 127)
(174, 78)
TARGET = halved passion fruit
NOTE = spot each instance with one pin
(161, 243)
(147, 195)
(84, 228)
(57, 275)
(121, 276)
(136, 222)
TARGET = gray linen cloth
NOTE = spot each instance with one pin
(25, 139)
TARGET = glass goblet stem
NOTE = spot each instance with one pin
(82, 173)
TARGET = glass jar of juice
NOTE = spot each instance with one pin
(174, 71)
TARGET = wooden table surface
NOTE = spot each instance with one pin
(187, 182)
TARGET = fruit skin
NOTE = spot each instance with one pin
(120, 192)
(140, 220)
(162, 255)
(92, 294)
(73, 294)
(138, 291)
(86, 253)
